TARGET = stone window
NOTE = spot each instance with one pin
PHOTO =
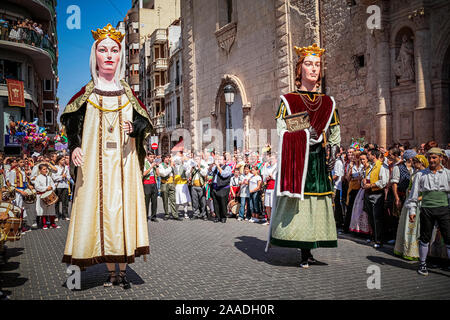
(225, 14)
(48, 117)
(179, 109)
(47, 85)
(177, 76)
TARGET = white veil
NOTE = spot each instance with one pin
(120, 71)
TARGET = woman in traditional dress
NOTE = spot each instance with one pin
(407, 240)
(303, 215)
(354, 175)
(106, 126)
(360, 221)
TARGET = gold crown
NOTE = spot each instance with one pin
(313, 50)
(108, 31)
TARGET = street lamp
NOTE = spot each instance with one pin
(229, 94)
(228, 91)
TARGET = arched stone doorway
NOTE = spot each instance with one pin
(231, 121)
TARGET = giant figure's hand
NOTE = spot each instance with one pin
(77, 157)
(313, 133)
(127, 127)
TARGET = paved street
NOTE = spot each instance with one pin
(205, 260)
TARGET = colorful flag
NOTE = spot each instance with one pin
(15, 93)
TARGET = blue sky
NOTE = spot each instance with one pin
(74, 45)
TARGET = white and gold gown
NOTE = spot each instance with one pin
(108, 219)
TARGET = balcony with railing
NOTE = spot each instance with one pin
(160, 64)
(158, 92)
(40, 49)
(159, 36)
(44, 9)
(159, 121)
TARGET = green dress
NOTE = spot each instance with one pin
(407, 240)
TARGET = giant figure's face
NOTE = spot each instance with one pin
(310, 69)
(108, 56)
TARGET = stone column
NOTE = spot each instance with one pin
(246, 126)
(190, 109)
(384, 115)
(423, 114)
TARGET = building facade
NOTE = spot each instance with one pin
(173, 93)
(30, 56)
(144, 17)
(386, 64)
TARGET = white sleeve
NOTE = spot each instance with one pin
(384, 177)
(412, 202)
(164, 171)
(39, 184)
(57, 176)
(12, 177)
(395, 175)
(339, 169)
(52, 183)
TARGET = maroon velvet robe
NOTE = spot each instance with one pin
(295, 145)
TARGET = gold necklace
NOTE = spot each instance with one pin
(100, 107)
(308, 104)
(111, 124)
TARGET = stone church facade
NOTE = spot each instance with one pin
(387, 64)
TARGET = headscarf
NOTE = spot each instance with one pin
(409, 154)
(422, 159)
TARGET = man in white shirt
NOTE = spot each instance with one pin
(338, 174)
(221, 188)
(197, 180)
(377, 177)
(433, 185)
(165, 171)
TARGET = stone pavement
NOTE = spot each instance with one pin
(206, 260)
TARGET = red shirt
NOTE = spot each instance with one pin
(270, 184)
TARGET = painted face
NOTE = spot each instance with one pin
(310, 69)
(108, 56)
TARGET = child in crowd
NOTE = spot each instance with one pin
(234, 187)
(44, 183)
(244, 192)
(254, 187)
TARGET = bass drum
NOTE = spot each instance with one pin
(12, 210)
(8, 193)
(233, 207)
(12, 229)
(30, 196)
(49, 198)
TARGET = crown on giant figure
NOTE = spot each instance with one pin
(108, 31)
(313, 50)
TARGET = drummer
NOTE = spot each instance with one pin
(44, 183)
(19, 180)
